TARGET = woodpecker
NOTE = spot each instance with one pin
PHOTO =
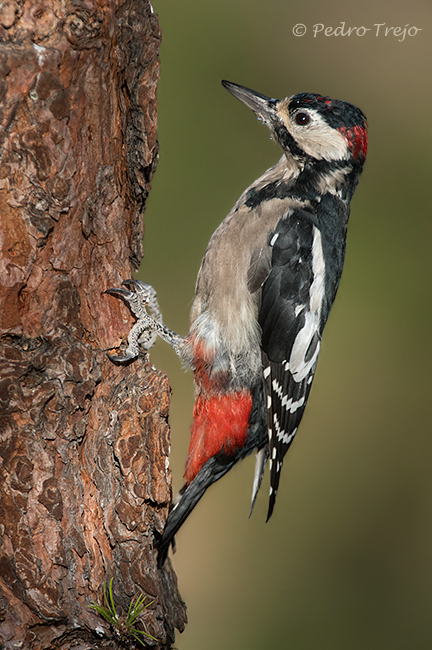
(264, 292)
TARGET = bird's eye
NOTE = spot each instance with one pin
(302, 119)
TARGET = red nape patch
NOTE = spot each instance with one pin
(220, 424)
(357, 140)
(327, 101)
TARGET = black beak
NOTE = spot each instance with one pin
(263, 107)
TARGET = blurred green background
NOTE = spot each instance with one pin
(346, 561)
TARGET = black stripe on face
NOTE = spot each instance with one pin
(287, 141)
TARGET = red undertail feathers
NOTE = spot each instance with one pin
(220, 425)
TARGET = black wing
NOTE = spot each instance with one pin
(290, 318)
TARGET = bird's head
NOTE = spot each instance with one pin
(310, 127)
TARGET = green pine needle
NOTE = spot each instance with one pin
(124, 625)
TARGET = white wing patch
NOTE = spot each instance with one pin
(297, 364)
(318, 268)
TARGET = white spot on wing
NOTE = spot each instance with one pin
(273, 239)
(266, 372)
(277, 389)
(318, 269)
(296, 405)
(286, 401)
(285, 438)
(297, 365)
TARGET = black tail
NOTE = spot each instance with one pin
(212, 471)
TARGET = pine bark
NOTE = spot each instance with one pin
(84, 482)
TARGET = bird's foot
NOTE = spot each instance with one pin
(139, 297)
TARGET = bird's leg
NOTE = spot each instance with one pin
(149, 323)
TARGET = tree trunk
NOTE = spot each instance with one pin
(83, 443)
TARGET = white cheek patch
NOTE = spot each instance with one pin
(317, 138)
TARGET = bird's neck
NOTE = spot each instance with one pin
(314, 179)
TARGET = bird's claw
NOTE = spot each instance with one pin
(118, 359)
(137, 295)
(120, 293)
